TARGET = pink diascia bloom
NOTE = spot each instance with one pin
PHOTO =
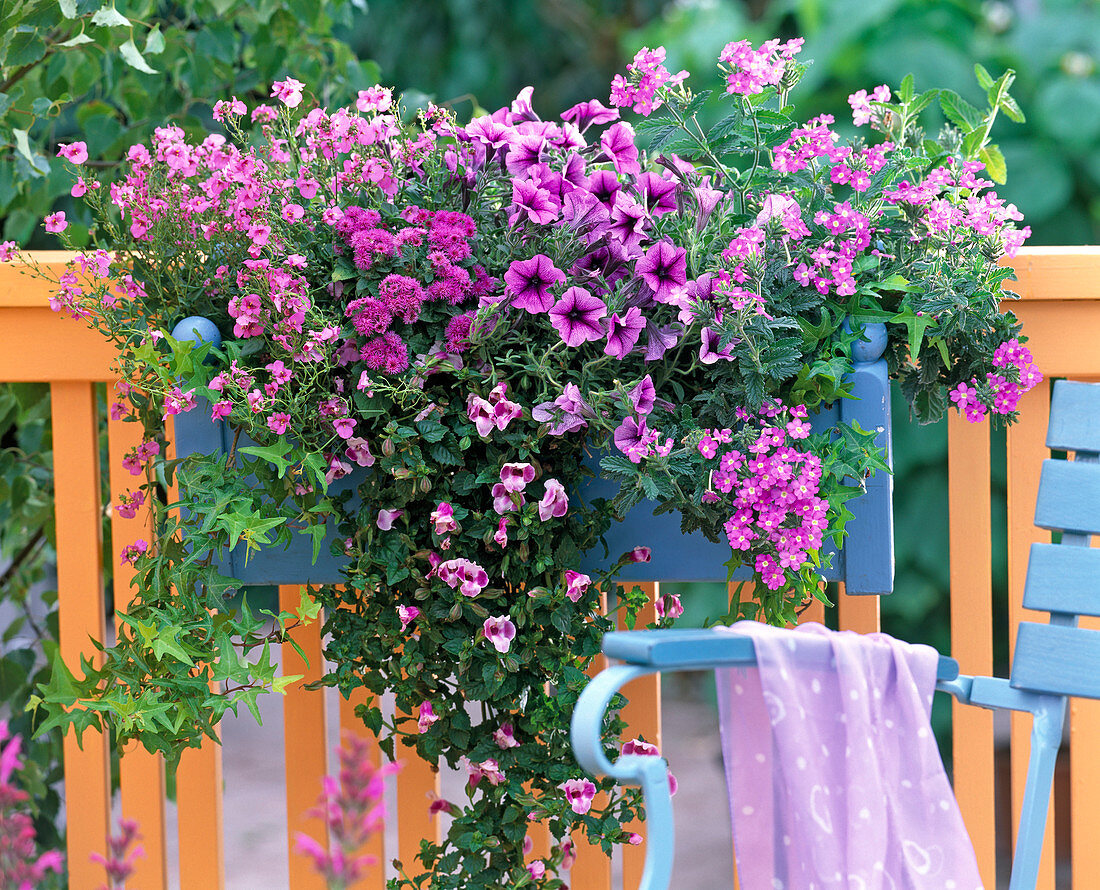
(386, 518)
(75, 152)
(505, 737)
(515, 476)
(579, 793)
(407, 614)
(427, 717)
(499, 631)
(487, 769)
(56, 223)
(288, 91)
(555, 502)
(576, 583)
(468, 577)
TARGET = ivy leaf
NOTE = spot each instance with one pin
(917, 325)
(132, 56)
(273, 454)
(279, 684)
(154, 41)
(68, 9)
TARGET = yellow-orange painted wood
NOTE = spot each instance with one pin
(375, 876)
(1084, 729)
(141, 774)
(815, 611)
(858, 613)
(201, 824)
(304, 742)
(417, 786)
(592, 867)
(1026, 450)
(972, 629)
(642, 714)
(81, 614)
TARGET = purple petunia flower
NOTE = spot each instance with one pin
(708, 349)
(537, 204)
(623, 332)
(529, 283)
(604, 186)
(618, 144)
(524, 152)
(630, 434)
(628, 219)
(576, 316)
(584, 114)
(584, 212)
(573, 410)
(663, 267)
(643, 395)
(657, 193)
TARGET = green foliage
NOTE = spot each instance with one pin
(94, 71)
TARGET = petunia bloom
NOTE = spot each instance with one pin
(576, 316)
(529, 282)
(623, 332)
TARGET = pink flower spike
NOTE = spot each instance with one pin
(499, 631)
(579, 794)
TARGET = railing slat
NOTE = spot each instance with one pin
(858, 613)
(81, 614)
(1026, 451)
(304, 742)
(971, 558)
(417, 784)
(643, 718)
(375, 878)
(141, 774)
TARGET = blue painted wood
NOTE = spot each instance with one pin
(195, 433)
(1056, 660)
(1074, 417)
(1063, 579)
(867, 563)
(699, 649)
(1069, 497)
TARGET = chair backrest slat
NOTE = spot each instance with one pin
(1069, 497)
(1074, 417)
(1056, 660)
(1063, 579)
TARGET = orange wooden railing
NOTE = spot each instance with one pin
(1060, 309)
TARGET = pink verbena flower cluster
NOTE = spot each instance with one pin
(1003, 388)
(750, 70)
(22, 867)
(771, 488)
(645, 77)
(353, 808)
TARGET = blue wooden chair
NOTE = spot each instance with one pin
(1052, 661)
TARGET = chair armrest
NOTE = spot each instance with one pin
(695, 649)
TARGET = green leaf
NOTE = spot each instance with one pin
(22, 144)
(994, 163)
(273, 454)
(917, 324)
(133, 57)
(985, 79)
(68, 9)
(154, 41)
(108, 17)
(279, 684)
(77, 40)
(960, 112)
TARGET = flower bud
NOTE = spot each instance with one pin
(425, 484)
(387, 447)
